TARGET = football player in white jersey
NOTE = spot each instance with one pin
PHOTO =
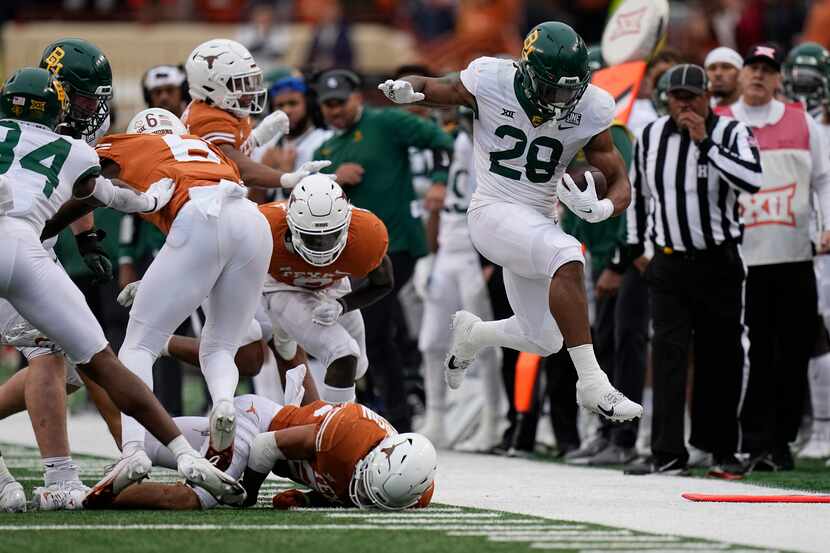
(456, 280)
(806, 73)
(532, 117)
(44, 170)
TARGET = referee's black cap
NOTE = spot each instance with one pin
(688, 77)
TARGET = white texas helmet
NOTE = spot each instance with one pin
(156, 121)
(318, 217)
(224, 72)
(395, 474)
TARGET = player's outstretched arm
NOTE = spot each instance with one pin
(602, 154)
(440, 91)
(155, 496)
(257, 174)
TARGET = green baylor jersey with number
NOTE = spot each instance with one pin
(41, 167)
(514, 160)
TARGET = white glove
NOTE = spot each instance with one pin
(421, 274)
(584, 204)
(327, 312)
(128, 294)
(24, 335)
(290, 180)
(275, 125)
(400, 92)
(161, 191)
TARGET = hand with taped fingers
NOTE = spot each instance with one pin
(400, 92)
(290, 180)
(128, 294)
(584, 203)
(274, 125)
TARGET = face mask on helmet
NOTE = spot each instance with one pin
(555, 98)
(321, 249)
(87, 112)
(249, 92)
(806, 84)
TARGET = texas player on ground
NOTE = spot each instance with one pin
(347, 454)
(532, 117)
(226, 85)
(47, 169)
(320, 241)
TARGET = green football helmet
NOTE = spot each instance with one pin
(34, 95)
(553, 71)
(595, 59)
(807, 75)
(660, 95)
(85, 73)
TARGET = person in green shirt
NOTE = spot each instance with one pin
(370, 156)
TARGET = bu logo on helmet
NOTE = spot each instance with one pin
(53, 61)
(528, 47)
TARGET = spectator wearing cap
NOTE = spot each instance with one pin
(781, 286)
(370, 155)
(723, 66)
(689, 168)
(290, 93)
(165, 86)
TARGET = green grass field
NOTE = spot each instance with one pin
(439, 528)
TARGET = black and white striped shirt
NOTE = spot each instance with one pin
(685, 195)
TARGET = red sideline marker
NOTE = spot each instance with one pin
(716, 498)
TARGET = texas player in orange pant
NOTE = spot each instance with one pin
(347, 454)
(320, 241)
(215, 255)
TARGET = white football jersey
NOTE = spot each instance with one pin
(42, 167)
(453, 235)
(515, 161)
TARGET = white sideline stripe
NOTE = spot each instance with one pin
(678, 549)
(616, 539)
(661, 546)
(559, 528)
(27, 527)
(555, 536)
(418, 513)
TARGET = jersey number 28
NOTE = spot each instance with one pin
(536, 170)
(54, 154)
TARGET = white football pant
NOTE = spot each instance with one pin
(43, 294)
(217, 262)
(530, 248)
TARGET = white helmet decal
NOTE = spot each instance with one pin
(318, 217)
(224, 72)
(156, 121)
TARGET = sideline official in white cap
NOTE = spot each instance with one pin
(723, 65)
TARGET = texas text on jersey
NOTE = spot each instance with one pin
(188, 160)
(364, 251)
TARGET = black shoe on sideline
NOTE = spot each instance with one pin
(727, 467)
(673, 467)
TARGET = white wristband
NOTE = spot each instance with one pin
(606, 208)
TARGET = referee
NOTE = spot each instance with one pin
(689, 168)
